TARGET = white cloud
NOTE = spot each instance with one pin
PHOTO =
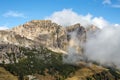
(113, 5)
(106, 1)
(3, 27)
(117, 25)
(100, 22)
(14, 14)
(104, 47)
(68, 17)
(116, 6)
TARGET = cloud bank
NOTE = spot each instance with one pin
(68, 17)
(104, 48)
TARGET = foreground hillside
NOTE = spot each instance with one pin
(44, 64)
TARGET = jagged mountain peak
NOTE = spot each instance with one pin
(36, 27)
(47, 24)
(73, 27)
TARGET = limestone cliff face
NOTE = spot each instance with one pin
(49, 34)
(10, 37)
(6, 51)
(43, 32)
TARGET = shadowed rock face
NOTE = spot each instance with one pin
(76, 37)
(79, 30)
(10, 53)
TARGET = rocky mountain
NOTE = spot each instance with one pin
(42, 33)
(39, 49)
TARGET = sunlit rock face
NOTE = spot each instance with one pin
(45, 32)
(10, 37)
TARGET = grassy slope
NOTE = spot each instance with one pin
(5, 75)
(92, 72)
(48, 65)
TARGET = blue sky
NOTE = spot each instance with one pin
(16, 12)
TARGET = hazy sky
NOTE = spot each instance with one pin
(16, 12)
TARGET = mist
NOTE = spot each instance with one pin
(104, 48)
(67, 17)
(73, 50)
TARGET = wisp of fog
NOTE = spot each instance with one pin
(104, 48)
